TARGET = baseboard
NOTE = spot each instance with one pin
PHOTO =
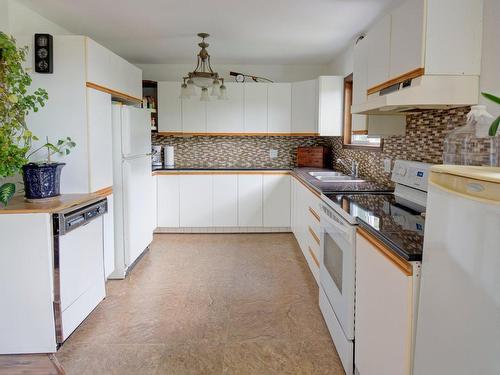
(224, 230)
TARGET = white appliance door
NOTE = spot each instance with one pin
(337, 269)
(458, 326)
(137, 206)
(136, 132)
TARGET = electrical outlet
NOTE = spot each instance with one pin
(387, 165)
(273, 154)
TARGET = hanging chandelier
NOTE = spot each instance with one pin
(203, 77)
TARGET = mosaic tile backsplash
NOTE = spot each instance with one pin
(423, 141)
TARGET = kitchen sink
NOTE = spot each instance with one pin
(326, 174)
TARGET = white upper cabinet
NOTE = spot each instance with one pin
(378, 44)
(407, 38)
(279, 104)
(255, 107)
(330, 105)
(359, 82)
(305, 106)
(169, 107)
(109, 70)
(226, 116)
(194, 114)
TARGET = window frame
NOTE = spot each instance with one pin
(347, 129)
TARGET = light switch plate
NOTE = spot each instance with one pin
(388, 165)
(273, 154)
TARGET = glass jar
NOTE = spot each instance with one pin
(470, 144)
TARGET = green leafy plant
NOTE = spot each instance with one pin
(494, 126)
(62, 147)
(16, 102)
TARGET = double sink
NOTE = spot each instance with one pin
(326, 176)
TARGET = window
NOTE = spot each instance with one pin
(356, 138)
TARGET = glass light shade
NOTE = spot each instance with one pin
(223, 93)
(184, 91)
(204, 95)
(202, 81)
(190, 86)
(215, 89)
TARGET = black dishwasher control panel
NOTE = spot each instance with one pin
(65, 222)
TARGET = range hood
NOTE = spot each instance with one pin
(422, 93)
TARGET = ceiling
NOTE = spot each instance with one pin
(242, 31)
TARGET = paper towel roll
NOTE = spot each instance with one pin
(169, 156)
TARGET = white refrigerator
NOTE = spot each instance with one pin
(458, 322)
(133, 186)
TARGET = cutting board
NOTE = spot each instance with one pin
(317, 157)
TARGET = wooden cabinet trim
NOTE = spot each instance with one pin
(402, 264)
(104, 192)
(313, 256)
(114, 93)
(314, 235)
(184, 134)
(315, 214)
(403, 77)
(221, 172)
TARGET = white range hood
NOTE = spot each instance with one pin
(424, 92)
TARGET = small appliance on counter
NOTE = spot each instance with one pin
(314, 157)
(156, 159)
(169, 156)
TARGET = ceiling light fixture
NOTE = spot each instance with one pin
(203, 76)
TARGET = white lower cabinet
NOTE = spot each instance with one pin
(168, 201)
(195, 200)
(250, 189)
(276, 201)
(385, 303)
(225, 200)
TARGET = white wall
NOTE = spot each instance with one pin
(343, 63)
(18, 20)
(490, 66)
(277, 73)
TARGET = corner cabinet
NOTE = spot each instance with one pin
(312, 107)
(384, 283)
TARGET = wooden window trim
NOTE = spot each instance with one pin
(348, 132)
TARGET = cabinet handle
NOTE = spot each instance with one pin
(313, 256)
(315, 214)
(314, 235)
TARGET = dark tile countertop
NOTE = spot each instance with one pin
(397, 226)
(338, 187)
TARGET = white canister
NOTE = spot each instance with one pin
(169, 156)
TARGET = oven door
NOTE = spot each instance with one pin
(337, 273)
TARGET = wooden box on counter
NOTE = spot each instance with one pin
(317, 157)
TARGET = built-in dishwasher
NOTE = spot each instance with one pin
(79, 281)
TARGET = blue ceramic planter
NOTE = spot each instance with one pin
(42, 180)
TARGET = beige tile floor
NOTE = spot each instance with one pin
(208, 304)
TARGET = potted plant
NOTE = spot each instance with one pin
(16, 102)
(494, 126)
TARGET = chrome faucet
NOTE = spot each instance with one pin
(354, 168)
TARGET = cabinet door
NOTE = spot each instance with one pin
(407, 31)
(195, 200)
(331, 106)
(250, 200)
(109, 239)
(225, 200)
(279, 104)
(383, 313)
(359, 83)
(305, 107)
(226, 116)
(276, 200)
(255, 107)
(99, 122)
(194, 114)
(169, 107)
(167, 201)
(378, 42)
